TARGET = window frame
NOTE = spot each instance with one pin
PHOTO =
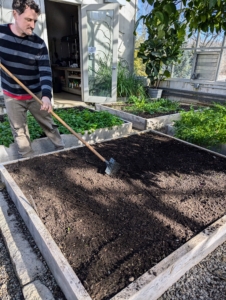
(199, 50)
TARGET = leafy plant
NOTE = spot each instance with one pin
(79, 120)
(86, 120)
(167, 24)
(163, 45)
(100, 78)
(208, 15)
(6, 137)
(142, 105)
(205, 127)
(127, 83)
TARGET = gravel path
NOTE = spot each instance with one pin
(205, 281)
(9, 284)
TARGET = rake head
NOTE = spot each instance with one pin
(112, 167)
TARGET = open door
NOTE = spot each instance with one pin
(99, 51)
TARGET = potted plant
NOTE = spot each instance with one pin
(161, 49)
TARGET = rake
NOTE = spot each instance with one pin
(112, 166)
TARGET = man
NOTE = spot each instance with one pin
(26, 56)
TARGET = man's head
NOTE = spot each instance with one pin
(25, 13)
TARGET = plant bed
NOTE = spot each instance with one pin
(204, 128)
(90, 125)
(120, 234)
(142, 119)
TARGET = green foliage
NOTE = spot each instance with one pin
(100, 78)
(205, 16)
(206, 127)
(127, 83)
(80, 121)
(167, 25)
(86, 120)
(165, 37)
(208, 15)
(6, 137)
(142, 105)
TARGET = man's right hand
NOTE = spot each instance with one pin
(46, 104)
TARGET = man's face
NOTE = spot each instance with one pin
(25, 22)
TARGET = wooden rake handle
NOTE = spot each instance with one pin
(53, 113)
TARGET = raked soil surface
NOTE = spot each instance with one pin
(113, 229)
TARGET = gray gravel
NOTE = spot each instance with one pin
(9, 285)
(205, 281)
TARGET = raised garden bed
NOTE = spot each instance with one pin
(128, 237)
(169, 129)
(44, 145)
(141, 121)
(206, 128)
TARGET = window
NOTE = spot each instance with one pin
(205, 66)
(204, 57)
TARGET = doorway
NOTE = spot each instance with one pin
(64, 50)
(100, 29)
(83, 47)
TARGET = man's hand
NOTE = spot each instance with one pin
(46, 104)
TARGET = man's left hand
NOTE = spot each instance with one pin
(46, 104)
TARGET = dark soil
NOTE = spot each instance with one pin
(112, 230)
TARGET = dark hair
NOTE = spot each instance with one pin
(21, 5)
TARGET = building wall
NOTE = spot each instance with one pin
(127, 15)
(126, 28)
(126, 23)
(194, 90)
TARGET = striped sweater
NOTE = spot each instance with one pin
(27, 58)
